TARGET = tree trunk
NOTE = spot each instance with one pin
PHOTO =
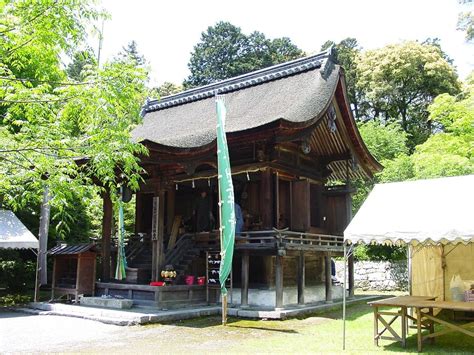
(43, 237)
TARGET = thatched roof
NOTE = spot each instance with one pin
(296, 92)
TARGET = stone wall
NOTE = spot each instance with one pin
(378, 275)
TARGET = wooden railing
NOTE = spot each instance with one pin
(285, 239)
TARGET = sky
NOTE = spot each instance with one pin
(166, 31)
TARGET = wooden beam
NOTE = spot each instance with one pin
(161, 232)
(301, 278)
(278, 282)
(266, 201)
(107, 217)
(328, 278)
(244, 289)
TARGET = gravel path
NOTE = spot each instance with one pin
(32, 333)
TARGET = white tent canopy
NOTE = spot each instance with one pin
(434, 211)
(14, 234)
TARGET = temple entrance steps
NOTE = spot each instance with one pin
(182, 255)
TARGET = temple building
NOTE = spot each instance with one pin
(294, 149)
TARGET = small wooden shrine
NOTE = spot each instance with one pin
(74, 270)
(294, 148)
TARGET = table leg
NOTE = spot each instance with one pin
(418, 329)
(430, 312)
(404, 326)
(376, 326)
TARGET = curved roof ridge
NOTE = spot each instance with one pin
(322, 61)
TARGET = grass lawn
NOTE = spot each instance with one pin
(314, 334)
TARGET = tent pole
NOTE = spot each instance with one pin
(443, 266)
(410, 289)
(344, 301)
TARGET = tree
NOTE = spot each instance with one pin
(466, 24)
(81, 60)
(450, 151)
(49, 124)
(401, 80)
(347, 52)
(224, 52)
(167, 89)
(386, 143)
(130, 52)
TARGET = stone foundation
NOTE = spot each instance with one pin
(266, 297)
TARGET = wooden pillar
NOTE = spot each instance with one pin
(138, 212)
(266, 199)
(328, 278)
(161, 230)
(351, 275)
(351, 257)
(244, 289)
(170, 199)
(301, 278)
(278, 282)
(106, 236)
(158, 232)
(277, 201)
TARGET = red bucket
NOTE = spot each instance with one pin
(189, 279)
(201, 280)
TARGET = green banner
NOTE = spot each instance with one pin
(226, 197)
(120, 273)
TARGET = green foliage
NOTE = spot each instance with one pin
(400, 81)
(364, 252)
(10, 300)
(81, 60)
(384, 141)
(16, 274)
(68, 135)
(224, 52)
(130, 53)
(166, 89)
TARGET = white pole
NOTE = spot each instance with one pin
(344, 302)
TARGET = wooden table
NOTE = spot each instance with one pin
(425, 316)
(401, 302)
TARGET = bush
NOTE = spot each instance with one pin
(13, 300)
(16, 274)
(379, 253)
